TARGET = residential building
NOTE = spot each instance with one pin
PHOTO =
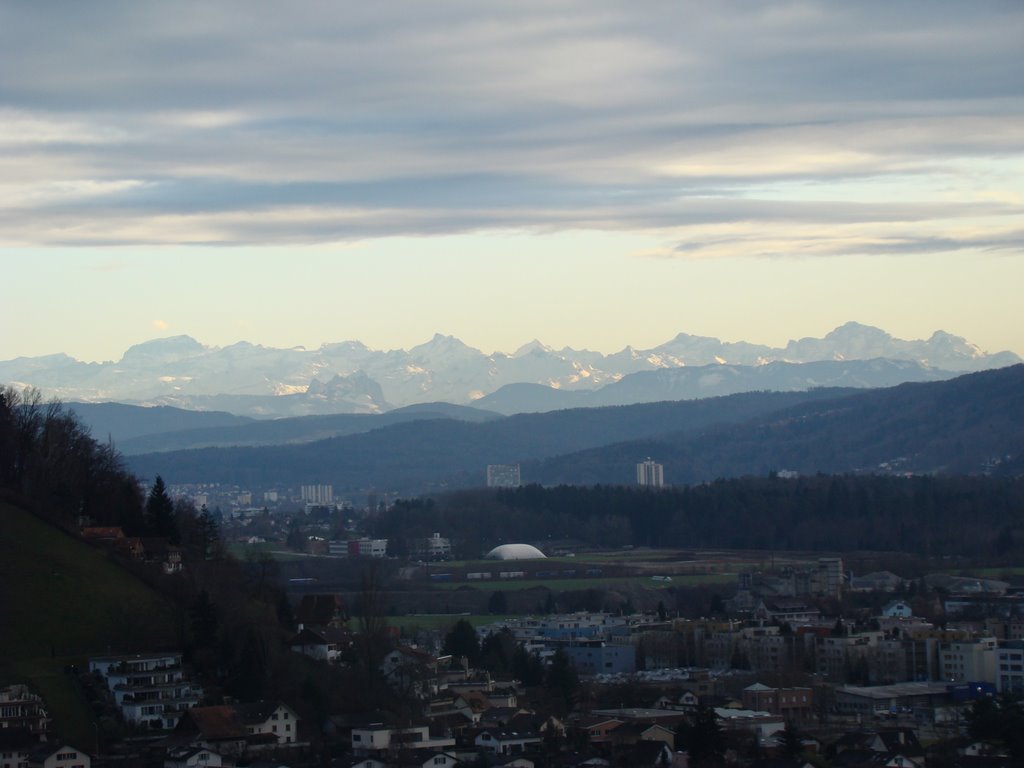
(22, 709)
(317, 495)
(650, 474)
(794, 704)
(840, 658)
(57, 755)
(501, 742)
(897, 609)
(192, 757)
(15, 746)
(908, 658)
(235, 730)
(968, 661)
(325, 644)
(434, 547)
(1010, 667)
(633, 732)
(595, 657)
(160, 551)
(598, 727)
(275, 721)
(148, 689)
(375, 738)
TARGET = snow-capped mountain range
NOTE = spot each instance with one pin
(350, 377)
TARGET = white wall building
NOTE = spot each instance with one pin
(972, 661)
(318, 495)
(650, 474)
(148, 689)
(1010, 668)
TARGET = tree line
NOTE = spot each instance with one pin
(50, 463)
(926, 515)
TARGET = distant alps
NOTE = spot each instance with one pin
(349, 377)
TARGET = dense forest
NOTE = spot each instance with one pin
(921, 515)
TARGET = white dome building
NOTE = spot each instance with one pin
(515, 552)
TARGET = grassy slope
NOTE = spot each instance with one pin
(62, 601)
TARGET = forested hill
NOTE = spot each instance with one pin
(421, 455)
(973, 424)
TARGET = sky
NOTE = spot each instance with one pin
(591, 174)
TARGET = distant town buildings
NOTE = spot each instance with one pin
(435, 547)
(364, 547)
(650, 474)
(503, 476)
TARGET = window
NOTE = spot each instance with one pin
(357, 737)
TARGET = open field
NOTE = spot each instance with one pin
(62, 602)
(275, 549)
(597, 582)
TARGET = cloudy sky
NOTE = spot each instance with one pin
(592, 174)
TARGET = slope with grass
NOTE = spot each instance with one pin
(61, 602)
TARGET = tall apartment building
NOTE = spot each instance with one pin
(503, 476)
(1010, 662)
(320, 495)
(650, 474)
(968, 662)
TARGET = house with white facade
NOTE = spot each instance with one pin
(275, 721)
(56, 755)
(502, 742)
(897, 609)
(193, 757)
(148, 689)
(325, 644)
(375, 738)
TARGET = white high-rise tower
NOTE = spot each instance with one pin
(649, 473)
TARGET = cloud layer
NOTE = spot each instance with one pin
(794, 128)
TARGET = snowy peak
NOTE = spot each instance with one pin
(350, 377)
(443, 346)
(169, 349)
(535, 348)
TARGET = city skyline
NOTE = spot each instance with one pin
(585, 175)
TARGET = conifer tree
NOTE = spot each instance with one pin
(160, 518)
